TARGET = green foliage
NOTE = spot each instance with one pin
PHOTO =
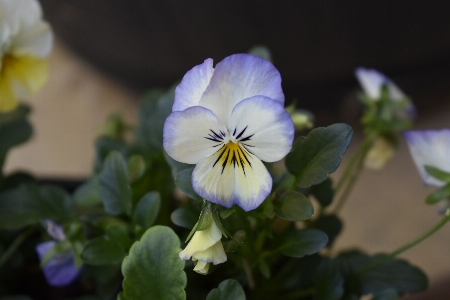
(439, 194)
(329, 282)
(147, 210)
(136, 167)
(318, 154)
(323, 192)
(88, 194)
(331, 225)
(183, 180)
(153, 270)
(228, 289)
(303, 242)
(30, 203)
(104, 145)
(13, 134)
(395, 274)
(438, 173)
(185, 217)
(294, 206)
(154, 110)
(264, 210)
(108, 249)
(115, 185)
(388, 294)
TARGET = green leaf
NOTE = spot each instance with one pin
(153, 111)
(264, 268)
(228, 289)
(13, 134)
(303, 242)
(265, 210)
(323, 192)
(395, 274)
(438, 173)
(328, 281)
(147, 209)
(183, 180)
(315, 156)
(30, 203)
(439, 194)
(136, 167)
(88, 194)
(103, 251)
(294, 206)
(331, 225)
(185, 217)
(104, 145)
(153, 269)
(115, 185)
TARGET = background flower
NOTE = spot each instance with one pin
(226, 120)
(430, 148)
(25, 41)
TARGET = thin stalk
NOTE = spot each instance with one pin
(405, 247)
(15, 245)
(358, 159)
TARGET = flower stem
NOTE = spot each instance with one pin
(15, 245)
(351, 174)
(405, 247)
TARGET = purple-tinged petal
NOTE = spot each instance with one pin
(432, 148)
(194, 83)
(371, 81)
(263, 127)
(61, 269)
(239, 77)
(193, 134)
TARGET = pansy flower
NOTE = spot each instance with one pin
(60, 269)
(373, 82)
(430, 148)
(25, 42)
(227, 120)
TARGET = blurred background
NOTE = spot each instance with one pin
(108, 52)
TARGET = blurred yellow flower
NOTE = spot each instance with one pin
(379, 154)
(25, 42)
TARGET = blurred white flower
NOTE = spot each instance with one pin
(25, 42)
(430, 148)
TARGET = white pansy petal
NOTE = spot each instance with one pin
(231, 176)
(194, 83)
(371, 81)
(214, 254)
(430, 147)
(192, 134)
(201, 241)
(201, 267)
(36, 40)
(263, 126)
(238, 77)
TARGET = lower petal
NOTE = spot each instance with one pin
(215, 254)
(8, 99)
(26, 74)
(231, 176)
(201, 267)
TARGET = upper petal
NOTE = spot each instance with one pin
(36, 40)
(263, 126)
(430, 147)
(238, 77)
(192, 134)
(371, 81)
(194, 83)
(231, 176)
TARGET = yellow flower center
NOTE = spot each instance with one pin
(233, 154)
